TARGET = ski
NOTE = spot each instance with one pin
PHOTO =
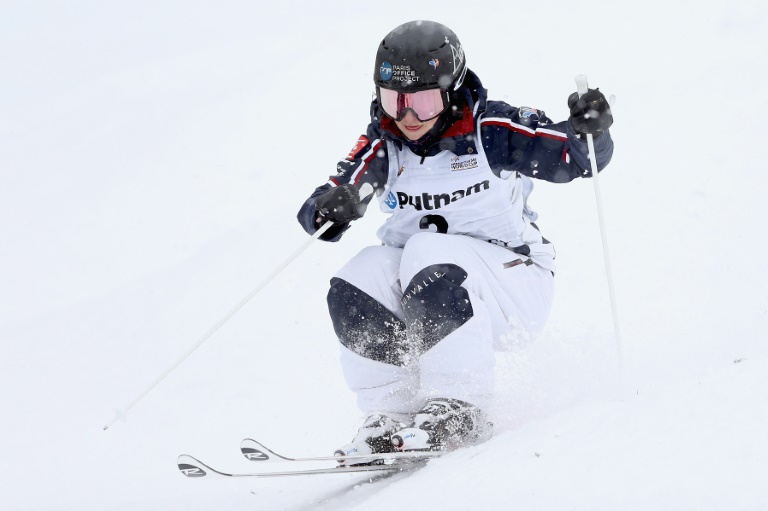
(256, 451)
(195, 469)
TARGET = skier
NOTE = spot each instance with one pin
(462, 269)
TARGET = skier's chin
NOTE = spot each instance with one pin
(414, 136)
(415, 131)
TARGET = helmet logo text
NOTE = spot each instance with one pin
(404, 74)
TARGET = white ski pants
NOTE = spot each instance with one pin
(424, 321)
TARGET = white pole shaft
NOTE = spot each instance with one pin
(218, 325)
(582, 88)
(365, 190)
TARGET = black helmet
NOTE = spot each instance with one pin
(420, 55)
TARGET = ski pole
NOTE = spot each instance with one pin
(365, 191)
(581, 89)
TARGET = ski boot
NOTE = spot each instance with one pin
(374, 437)
(444, 425)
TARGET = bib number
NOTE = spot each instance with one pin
(440, 223)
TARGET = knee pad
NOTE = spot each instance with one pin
(435, 304)
(365, 326)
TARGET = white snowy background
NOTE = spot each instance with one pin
(153, 156)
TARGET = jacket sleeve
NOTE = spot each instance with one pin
(367, 162)
(525, 140)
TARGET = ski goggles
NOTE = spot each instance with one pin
(425, 104)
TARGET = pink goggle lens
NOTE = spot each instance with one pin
(425, 104)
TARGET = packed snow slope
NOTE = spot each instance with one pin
(153, 156)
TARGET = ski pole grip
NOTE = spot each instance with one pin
(581, 85)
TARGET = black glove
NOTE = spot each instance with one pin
(341, 204)
(590, 113)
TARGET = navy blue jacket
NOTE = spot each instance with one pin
(514, 139)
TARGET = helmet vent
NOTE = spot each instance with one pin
(439, 47)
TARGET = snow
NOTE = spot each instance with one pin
(153, 156)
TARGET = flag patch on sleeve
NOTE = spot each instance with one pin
(361, 142)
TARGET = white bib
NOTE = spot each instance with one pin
(458, 195)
